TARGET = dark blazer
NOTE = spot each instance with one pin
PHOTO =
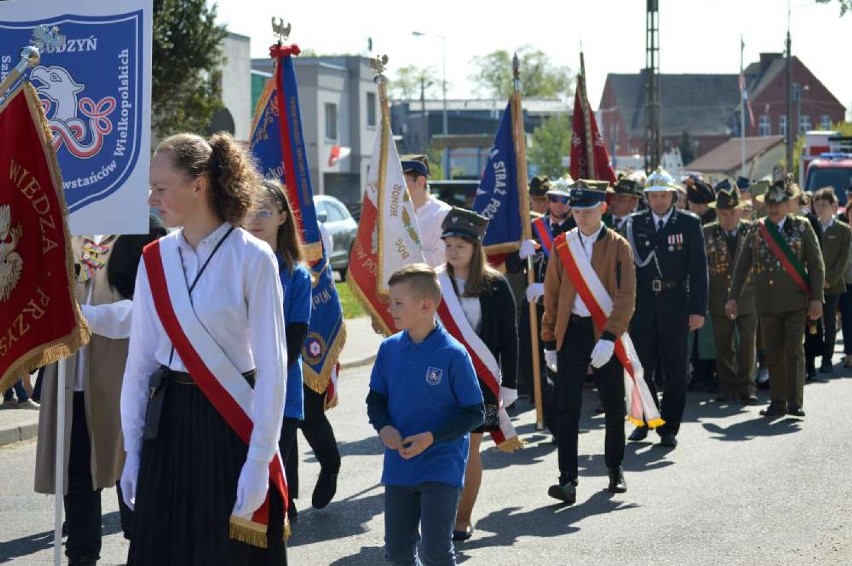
(514, 264)
(721, 267)
(835, 254)
(499, 328)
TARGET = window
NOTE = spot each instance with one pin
(782, 126)
(371, 109)
(804, 124)
(335, 214)
(825, 122)
(330, 121)
(764, 126)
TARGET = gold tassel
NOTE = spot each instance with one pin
(511, 444)
(248, 532)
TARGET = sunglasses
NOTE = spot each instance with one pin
(260, 214)
(558, 198)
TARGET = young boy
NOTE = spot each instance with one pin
(424, 399)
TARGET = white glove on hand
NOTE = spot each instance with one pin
(129, 479)
(550, 359)
(602, 352)
(251, 488)
(528, 248)
(509, 395)
(534, 291)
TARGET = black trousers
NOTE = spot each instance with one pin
(525, 353)
(286, 446)
(82, 503)
(573, 362)
(320, 437)
(829, 324)
(660, 332)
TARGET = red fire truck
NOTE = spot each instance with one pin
(826, 162)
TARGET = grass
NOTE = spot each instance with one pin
(351, 306)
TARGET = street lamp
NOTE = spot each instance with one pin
(443, 91)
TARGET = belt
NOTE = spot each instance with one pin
(578, 318)
(657, 285)
(183, 378)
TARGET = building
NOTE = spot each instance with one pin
(235, 115)
(762, 153)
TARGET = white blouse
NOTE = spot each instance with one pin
(471, 306)
(238, 299)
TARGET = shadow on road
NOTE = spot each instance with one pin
(753, 428)
(342, 518)
(25, 546)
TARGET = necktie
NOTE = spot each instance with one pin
(732, 243)
(660, 224)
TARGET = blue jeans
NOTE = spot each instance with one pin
(430, 506)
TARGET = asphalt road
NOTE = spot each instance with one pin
(737, 490)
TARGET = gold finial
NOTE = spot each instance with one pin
(280, 30)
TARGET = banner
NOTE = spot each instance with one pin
(589, 156)
(96, 93)
(388, 236)
(498, 197)
(279, 148)
(40, 321)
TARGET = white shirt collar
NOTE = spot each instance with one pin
(593, 238)
(827, 226)
(209, 241)
(664, 218)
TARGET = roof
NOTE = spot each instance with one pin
(698, 104)
(728, 156)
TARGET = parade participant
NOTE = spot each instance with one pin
(208, 357)
(430, 210)
(623, 203)
(105, 269)
(835, 254)
(271, 220)
(699, 195)
(424, 398)
(846, 298)
(589, 257)
(539, 185)
(671, 295)
(783, 257)
(735, 338)
(478, 303)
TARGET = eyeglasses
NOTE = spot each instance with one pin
(558, 198)
(259, 214)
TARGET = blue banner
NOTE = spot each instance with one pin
(280, 150)
(497, 196)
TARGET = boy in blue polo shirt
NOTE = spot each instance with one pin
(424, 399)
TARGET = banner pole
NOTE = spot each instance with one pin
(59, 468)
(526, 230)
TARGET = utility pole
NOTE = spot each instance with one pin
(653, 145)
(424, 142)
(791, 129)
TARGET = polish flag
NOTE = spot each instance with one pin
(337, 153)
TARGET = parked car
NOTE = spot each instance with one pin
(456, 192)
(335, 217)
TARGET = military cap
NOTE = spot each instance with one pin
(415, 164)
(539, 185)
(727, 198)
(723, 185)
(743, 183)
(463, 223)
(700, 192)
(587, 194)
(561, 186)
(778, 192)
(630, 187)
(758, 188)
(660, 181)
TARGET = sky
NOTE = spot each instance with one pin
(696, 36)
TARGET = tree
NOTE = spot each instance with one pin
(187, 57)
(551, 141)
(687, 153)
(845, 5)
(539, 78)
(406, 83)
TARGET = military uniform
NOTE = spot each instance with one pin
(781, 303)
(735, 339)
(835, 253)
(671, 275)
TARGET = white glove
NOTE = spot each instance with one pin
(534, 291)
(528, 248)
(251, 488)
(129, 480)
(509, 395)
(602, 352)
(550, 359)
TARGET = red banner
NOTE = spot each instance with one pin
(586, 135)
(40, 321)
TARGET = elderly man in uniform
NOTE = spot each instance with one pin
(735, 338)
(430, 210)
(784, 258)
(671, 295)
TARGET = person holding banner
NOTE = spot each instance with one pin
(589, 296)
(478, 309)
(271, 220)
(204, 388)
(783, 257)
(430, 210)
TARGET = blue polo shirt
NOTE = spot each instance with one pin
(425, 384)
(297, 308)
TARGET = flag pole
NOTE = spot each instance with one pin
(587, 122)
(526, 228)
(59, 464)
(742, 111)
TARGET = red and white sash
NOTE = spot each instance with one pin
(641, 409)
(210, 368)
(452, 317)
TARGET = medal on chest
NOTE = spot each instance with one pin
(92, 259)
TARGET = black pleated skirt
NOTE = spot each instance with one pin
(187, 490)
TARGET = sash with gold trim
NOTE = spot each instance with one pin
(211, 369)
(641, 409)
(487, 369)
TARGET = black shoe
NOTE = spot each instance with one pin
(325, 489)
(82, 562)
(292, 512)
(826, 369)
(616, 481)
(795, 411)
(639, 434)
(565, 492)
(668, 440)
(749, 399)
(461, 536)
(773, 410)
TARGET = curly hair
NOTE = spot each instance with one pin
(231, 171)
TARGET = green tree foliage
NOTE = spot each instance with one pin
(845, 5)
(539, 78)
(406, 82)
(551, 141)
(687, 152)
(187, 57)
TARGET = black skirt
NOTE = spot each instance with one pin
(187, 489)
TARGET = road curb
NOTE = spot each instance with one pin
(14, 434)
(359, 362)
